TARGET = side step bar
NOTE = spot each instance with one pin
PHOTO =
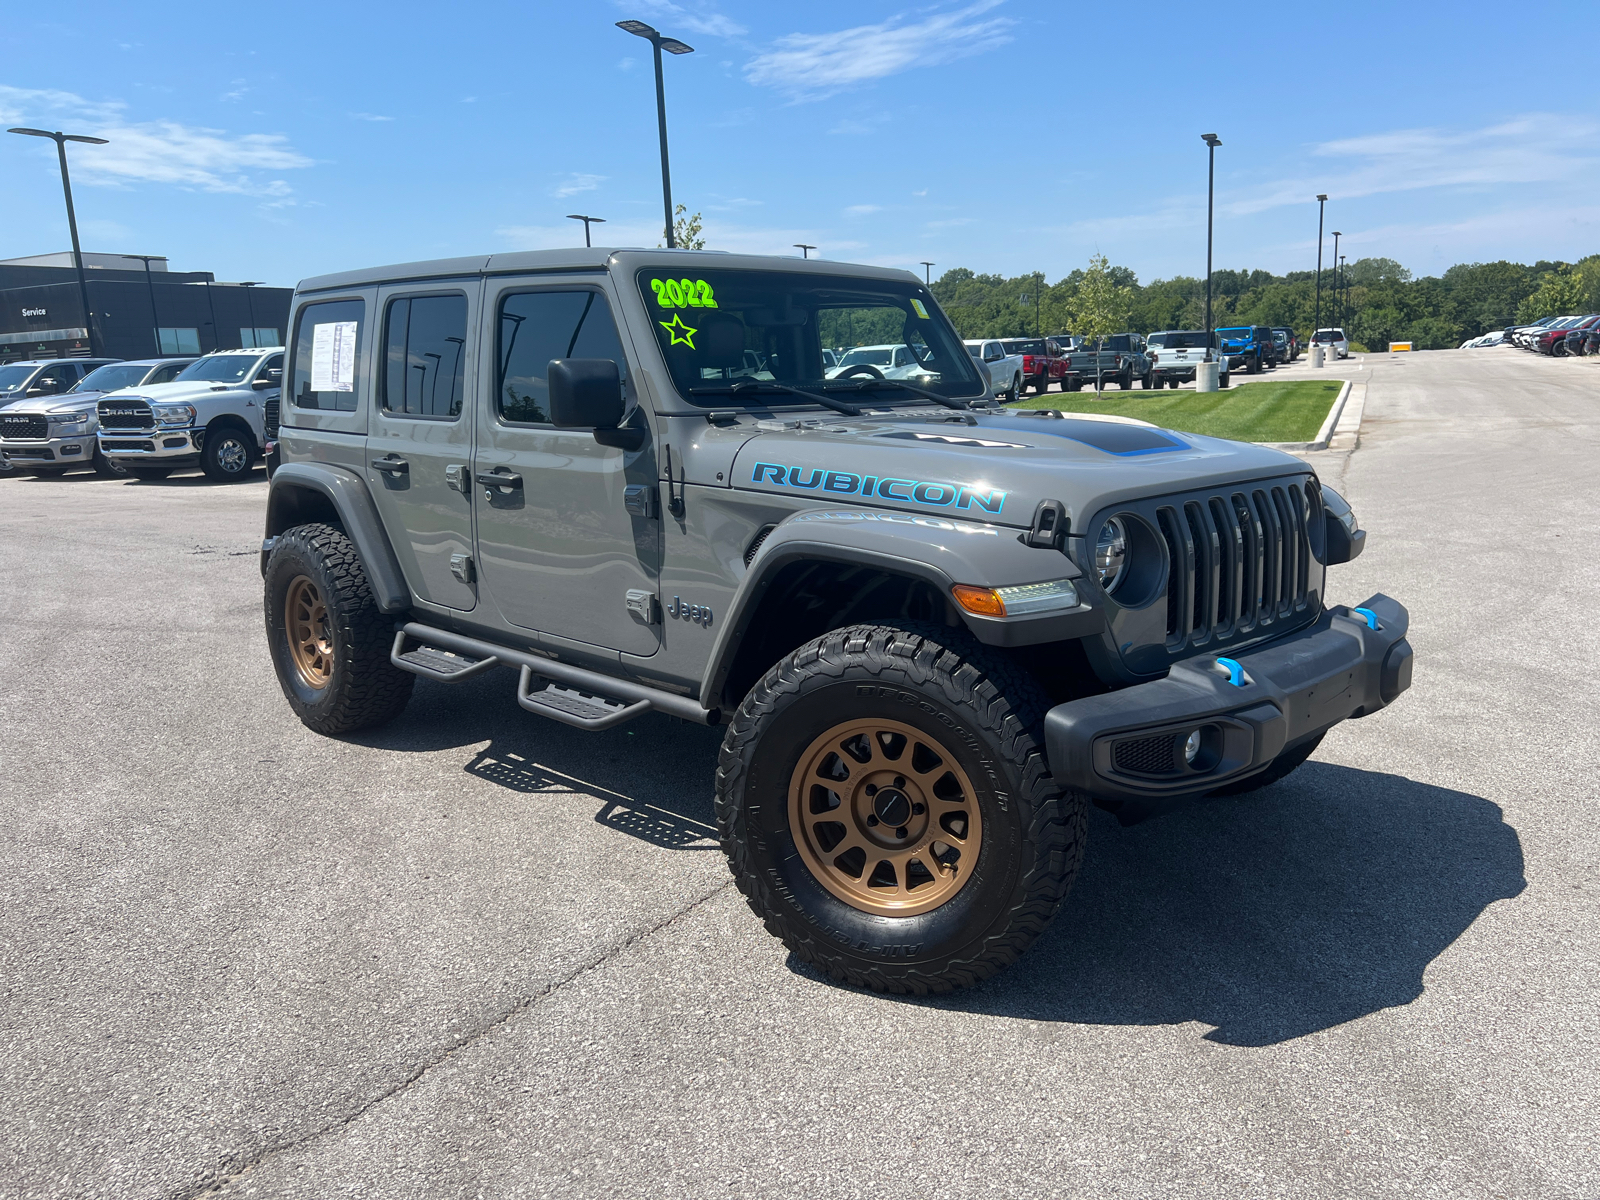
(573, 695)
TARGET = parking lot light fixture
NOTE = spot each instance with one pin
(1335, 304)
(586, 223)
(1343, 292)
(1212, 141)
(804, 248)
(61, 140)
(658, 43)
(155, 319)
(1316, 321)
(927, 273)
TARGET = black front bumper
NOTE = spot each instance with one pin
(1130, 745)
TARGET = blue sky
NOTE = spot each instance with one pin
(289, 140)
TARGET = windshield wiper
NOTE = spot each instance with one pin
(867, 384)
(743, 386)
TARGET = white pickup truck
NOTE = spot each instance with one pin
(211, 416)
(1005, 370)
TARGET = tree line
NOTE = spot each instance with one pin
(1376, 300)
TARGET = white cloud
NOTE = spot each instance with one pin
(810, 66)
(209, 160)
(575, 183)
(861, 210)
(923, 192)
(1539, 148)
(369, 117)
(693, 20)
(237, 93)
(626, 64)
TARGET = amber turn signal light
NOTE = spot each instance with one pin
(984, 602)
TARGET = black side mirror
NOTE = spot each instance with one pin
(586, 393)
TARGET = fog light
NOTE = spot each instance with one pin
(1191, 748)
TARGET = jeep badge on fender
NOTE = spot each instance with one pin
(943, 628)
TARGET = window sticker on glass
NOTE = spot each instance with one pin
(679, 331)
(917, 305)
(683, 293)
(333, 357)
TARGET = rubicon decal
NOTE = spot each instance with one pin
(911, 491)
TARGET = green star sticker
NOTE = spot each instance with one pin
(679, 331)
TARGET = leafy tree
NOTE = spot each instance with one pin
(1099, 308)
(686, 230)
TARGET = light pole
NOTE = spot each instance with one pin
(1336, 276)
(805, 250)
(155, 319)
(672, 46)
(1212, 141)
(1344, 295)
(1038, 286)
(927, 272)
(1316, 320)
(586, 222)
(61, 140)
(250, 300)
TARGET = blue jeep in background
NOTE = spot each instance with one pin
(1249, 346)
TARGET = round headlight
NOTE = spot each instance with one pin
(1111, 553)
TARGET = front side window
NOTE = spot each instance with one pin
(111, 378)
(327, 355)
(424, 362)
(536, 327)
(709, 325)
(166, 373)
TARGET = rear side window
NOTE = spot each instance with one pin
(328, 338)
(424, 363)
(536, 327)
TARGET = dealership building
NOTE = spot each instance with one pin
(137, 309)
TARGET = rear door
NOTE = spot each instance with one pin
(558, 550)
(419, 439)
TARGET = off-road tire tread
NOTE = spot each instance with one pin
(1000, 698)
(374, 691)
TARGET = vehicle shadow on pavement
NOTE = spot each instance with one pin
(656, 771)
(1316, 901)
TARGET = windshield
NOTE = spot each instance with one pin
(1182, 339)
(220, 368)
(15, 377)
(724, 326)
(112, 378)
(1240, 331)
(1017, 346)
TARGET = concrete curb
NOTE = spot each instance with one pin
(1330, 426)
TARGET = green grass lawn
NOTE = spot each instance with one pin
(1248, 412)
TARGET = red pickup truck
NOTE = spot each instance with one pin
(1044, 362)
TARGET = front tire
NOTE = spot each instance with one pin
(228, 455)
(329, 642)
(107, 468)
(886, 809)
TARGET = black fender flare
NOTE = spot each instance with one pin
(347, 493)
(936, 550)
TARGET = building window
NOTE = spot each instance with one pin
(261, 336)
(180, 341)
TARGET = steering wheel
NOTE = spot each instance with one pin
(866, 370)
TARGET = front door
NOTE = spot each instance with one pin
(558, 549)
(419, 441)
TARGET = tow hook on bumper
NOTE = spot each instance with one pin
(1211, 721)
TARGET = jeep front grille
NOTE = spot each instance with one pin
(24, 426)
(1237, 559)
(124, 414)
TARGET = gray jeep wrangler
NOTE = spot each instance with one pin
(935, 630)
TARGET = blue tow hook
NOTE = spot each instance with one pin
(1235, 671)
(1369, 616)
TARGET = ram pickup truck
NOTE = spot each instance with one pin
(1119, 359)
(51, 435)
(1005, 368)
(211, 416)
(1043, 362)
(1175, 353)
(935, 630)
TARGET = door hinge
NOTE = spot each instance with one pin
(640, 499)
(457, 477)
(461, 567)
(642, 604)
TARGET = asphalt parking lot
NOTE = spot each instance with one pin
(480, 954)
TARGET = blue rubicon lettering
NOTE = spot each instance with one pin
(929, 493)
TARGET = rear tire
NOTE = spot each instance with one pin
(1286, 762)
(329, 642)
(964, 727)
(1014, 393)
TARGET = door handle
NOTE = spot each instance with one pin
(396, 466)
(497, 479)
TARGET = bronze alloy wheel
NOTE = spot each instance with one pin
(884, 817)
(306, 623)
